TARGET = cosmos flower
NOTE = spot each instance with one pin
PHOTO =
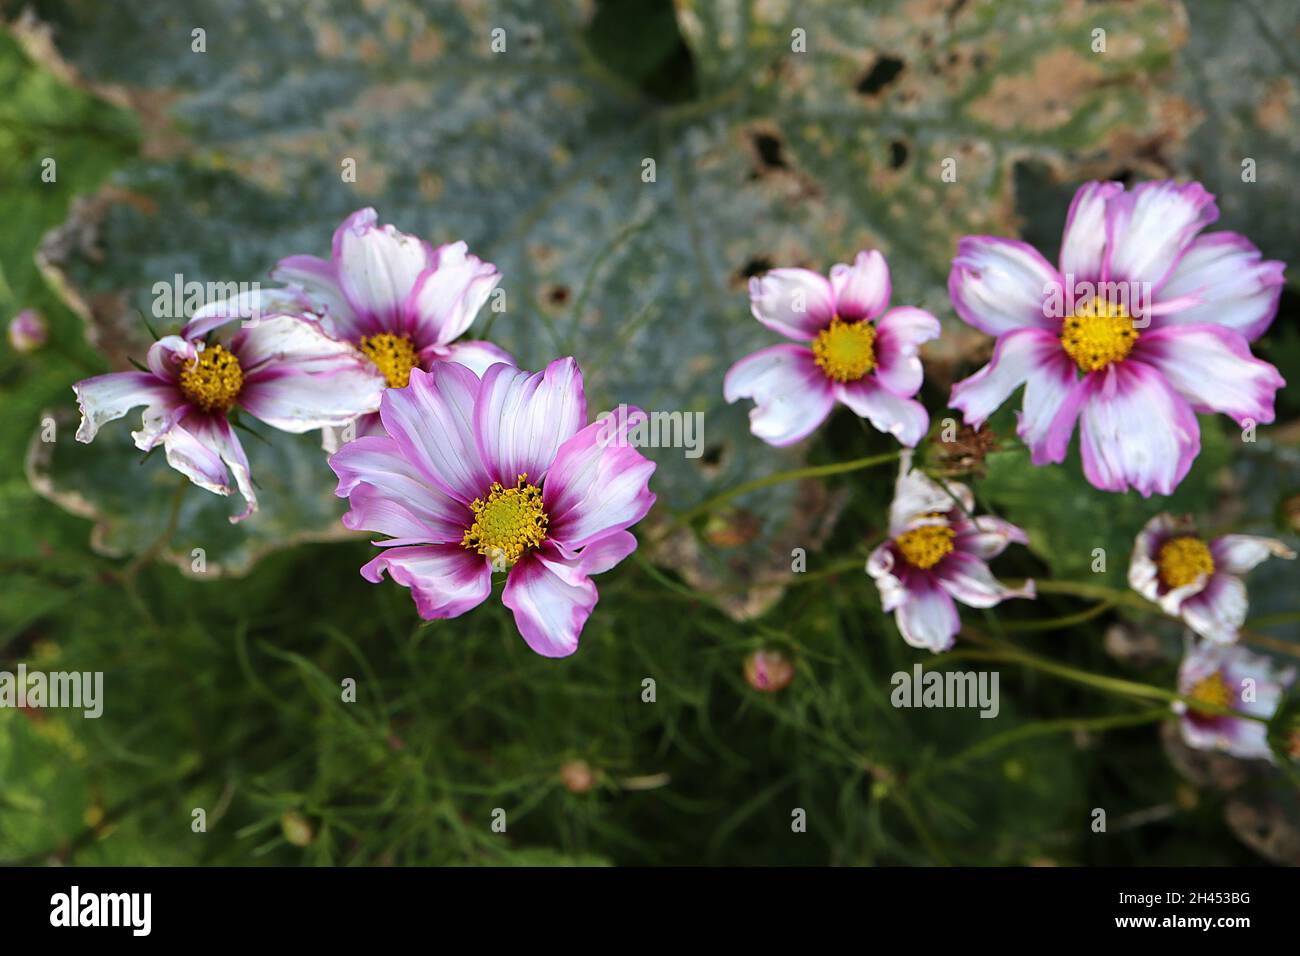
(1228, 675)
(937, 552)
(1198, 580)
(846, 348)
(283, 370)
(1145, 324)
(499, 474)
(404, 303)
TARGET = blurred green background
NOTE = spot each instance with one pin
(781, 133)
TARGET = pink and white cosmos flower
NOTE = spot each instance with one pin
(404, 303)
(284, 370)
(503, 474)
(936, 553)
(1229, 676)
(1198, 580)
(1162, 332)
(847, 348)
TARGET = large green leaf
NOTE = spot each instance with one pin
(537, 156)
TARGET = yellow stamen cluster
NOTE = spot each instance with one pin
(926, 546)
(509, 522)
(1212, 690)
(1097, 334)
(394, 355)
(214, 381)
(845, 351)
(1182, 560)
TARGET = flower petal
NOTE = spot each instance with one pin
(432, 421)
(986, 537)
(1211, 366)
(249, 308)
(797, 303)
(1150, 226)
(318, 281)
(477, 355)
(904, 418)
(376, 462)
(378, 267)
(521, 418)
(551, 604)
(106, 398)
(1144, 571)
(1083, 245)
(446, 580)
(1235, 287)
(899, 334)
(862, 289)
(447, 296)
(169, 355)
(1136, 430)
(1218, 610)
(297, 378)
(200, 447)
(791, 395)
(927, 616)
(969, 580)
(918, 498)
(1240, 553)
(598, 482)
(998, 285)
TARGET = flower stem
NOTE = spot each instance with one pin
(797, 474)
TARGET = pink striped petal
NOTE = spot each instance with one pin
(904, 418)
(861, 290)
(1135, 430)
(1149, 227)
(1083, 245)
(1211, 366)
(899, 334)
(376, 462)
(551, 604)
(522, 419)
(106, 398)
(1230, 282)
(999, 285)
(448, 295)
(446, 580)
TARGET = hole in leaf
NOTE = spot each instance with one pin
(882, 73)
(897, 154)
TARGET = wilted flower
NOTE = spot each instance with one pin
(1198, 580)
(847, 349)
(401, 301)
(500, 474)
(1145, 324)
(577, 776)
(283, 370)
(938, 552)
(1229, 676)
(768, 671)
(27, 331)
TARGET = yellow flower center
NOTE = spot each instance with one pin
(1212, 690)
(214, 381)
(394, 355)
(1097, 334)
(1182, 560)
(507, 523)
(845, 351)
(924, 547)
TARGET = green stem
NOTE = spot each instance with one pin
(797, 474)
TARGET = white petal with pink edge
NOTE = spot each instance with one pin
(969, 580)
(378, 267)
(927, 617)
(797, 303)
(1211, 366)
(105, 398)
(861, 290)
(899, 334)
(598, 482)
(791, 395)
(475, 354)
(1135, 430)
(521, 418)
(432, 421)
(448, 295)
(1083, 245)
(377, 461)
(1233, 284)
(1150, 226)
(904, 418)
(551, 603)
(446, 580)
(999, 285)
